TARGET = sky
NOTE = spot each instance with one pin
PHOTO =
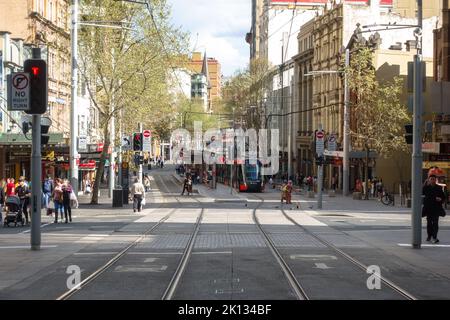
(221, 26)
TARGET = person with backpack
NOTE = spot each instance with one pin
(23, 192)
(47, 189)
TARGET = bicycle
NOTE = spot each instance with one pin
(387, 199)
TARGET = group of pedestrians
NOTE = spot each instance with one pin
(59, 191)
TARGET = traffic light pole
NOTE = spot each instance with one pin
(36, 172)
(417, 158)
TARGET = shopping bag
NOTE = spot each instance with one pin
(143, 201)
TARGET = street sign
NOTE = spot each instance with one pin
(332, 142)
(126, 143)
(82, 143)
(147, 141)
(19, 89)
(320, 142)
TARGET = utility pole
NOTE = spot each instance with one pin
(74, 98)
(233, 157)
(417, 136)
(345, 162)
(36, 172)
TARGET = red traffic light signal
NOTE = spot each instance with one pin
(137, 141)
(37, 68)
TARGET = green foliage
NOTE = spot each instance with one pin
(125, 69)
(378, 115)
(246, 89)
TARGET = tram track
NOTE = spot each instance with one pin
(396, 288)
(175, 280)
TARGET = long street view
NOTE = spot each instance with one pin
(230, 150)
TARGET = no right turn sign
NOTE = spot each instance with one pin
(19, 91)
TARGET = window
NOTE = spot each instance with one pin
(50, 11)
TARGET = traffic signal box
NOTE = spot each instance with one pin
(409, 134)
(45, 137)
(137, 141)
(37, 68)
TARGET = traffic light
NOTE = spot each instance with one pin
(45, 137)
(409, 133)
(137, 141)
(37, 68)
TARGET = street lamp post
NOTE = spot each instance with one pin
(346, 134)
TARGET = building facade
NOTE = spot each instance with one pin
(211, 68)
(322, 93)
(37, 23)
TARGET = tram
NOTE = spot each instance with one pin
(246, 177)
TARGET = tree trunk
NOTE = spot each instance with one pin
(101, 166)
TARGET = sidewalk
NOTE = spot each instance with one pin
(93, 225)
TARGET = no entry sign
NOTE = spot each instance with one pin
(147, 141)
(320, 143)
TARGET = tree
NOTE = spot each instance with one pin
(125, 69)
(246, 89)
(378, 115)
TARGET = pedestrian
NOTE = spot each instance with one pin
(288, 192)
(23, 193)
(67, 192)
(10, 187)
(47, 189)
(283, 190)
(138, 193)
(187, 184)
(432, 207)
(146, 183)
(379, 187)
(2, 199)
(58, 199)
(87, 187)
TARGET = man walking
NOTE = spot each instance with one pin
(432, 207)
(138, 193)
(187, 184)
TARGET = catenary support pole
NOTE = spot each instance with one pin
(416, 180)
(345, 162)
(320, 179)
(74, 101)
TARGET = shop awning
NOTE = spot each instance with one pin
(20, 139)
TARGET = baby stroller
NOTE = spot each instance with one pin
(13, 212)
